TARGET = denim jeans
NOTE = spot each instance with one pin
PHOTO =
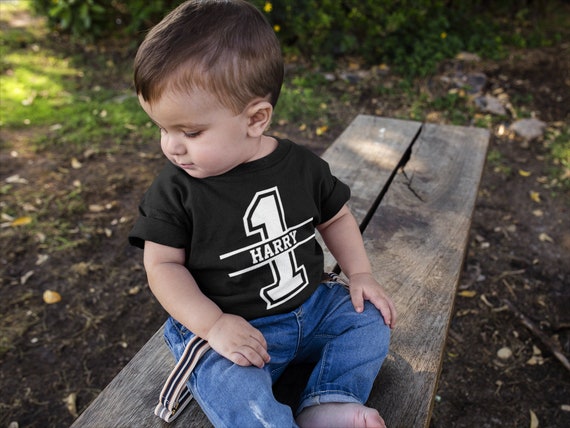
(347, 347)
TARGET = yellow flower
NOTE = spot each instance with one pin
(443, 35)
(268, 7)
(277, 28)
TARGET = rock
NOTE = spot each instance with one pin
(329, 77)
(528, 129)
(490, 104)
(475, 82)
(504, 353)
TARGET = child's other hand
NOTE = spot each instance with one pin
(362, 287)
(237, 340)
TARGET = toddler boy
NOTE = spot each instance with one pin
(228, 230)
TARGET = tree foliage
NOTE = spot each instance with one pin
(412, 35)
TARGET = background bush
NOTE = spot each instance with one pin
(411, 35)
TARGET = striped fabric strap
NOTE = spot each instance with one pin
(175, 395)
(332, 277)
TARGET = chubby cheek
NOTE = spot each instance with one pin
(165, 150)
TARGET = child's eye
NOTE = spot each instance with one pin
(192, 134)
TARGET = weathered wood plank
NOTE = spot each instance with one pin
(364, 156)
(129, 400)
(367, 152)
(417, 241)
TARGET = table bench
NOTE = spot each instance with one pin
(414, 188)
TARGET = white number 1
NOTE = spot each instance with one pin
(265, 216)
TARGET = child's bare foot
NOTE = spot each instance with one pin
(340, 415)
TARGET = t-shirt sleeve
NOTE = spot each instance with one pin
(338, 195)
(332, 193)
(150, 227)
(162, 217)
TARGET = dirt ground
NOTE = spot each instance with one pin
(56, 358)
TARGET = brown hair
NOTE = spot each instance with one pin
(225, 47)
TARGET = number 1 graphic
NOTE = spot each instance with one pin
(265, 216)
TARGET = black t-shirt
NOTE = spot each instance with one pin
(249, 234)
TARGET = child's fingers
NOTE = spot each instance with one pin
(378, 298)
(251, 354)
(357, 299)
(387, 309)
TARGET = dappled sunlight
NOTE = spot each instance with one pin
(41, 75)
(377, 152)
(33, 79)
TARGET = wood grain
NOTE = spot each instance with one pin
(417, 240)
(365, 157)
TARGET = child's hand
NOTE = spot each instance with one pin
(362, 287)
(237, 340)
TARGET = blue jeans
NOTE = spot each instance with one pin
(347, 347)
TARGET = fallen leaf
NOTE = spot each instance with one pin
(535, 360)
(467, 293)
(524, 173)
(81, 268)
(535, 196)
(6, 217)
(134, 290)
(486, 301)
(543, 237)
(21, 221)
(51, 297)
(24, 278)
(75, 164)
(321, 130)
(538, 213)
(16, 179)
(533, 420)
(71, 404)
(26, 206)
(42, 258)
(96, 208)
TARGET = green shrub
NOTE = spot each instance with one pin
(411, 35)
(92, 20)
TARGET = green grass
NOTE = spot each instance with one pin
(42, 88)
(80, 101)
(304, 100)
(70, 103)
(558, 142)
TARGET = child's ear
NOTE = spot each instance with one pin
(259, 115)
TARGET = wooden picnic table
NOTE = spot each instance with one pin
(414, 188)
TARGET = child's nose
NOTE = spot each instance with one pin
(173, 145)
